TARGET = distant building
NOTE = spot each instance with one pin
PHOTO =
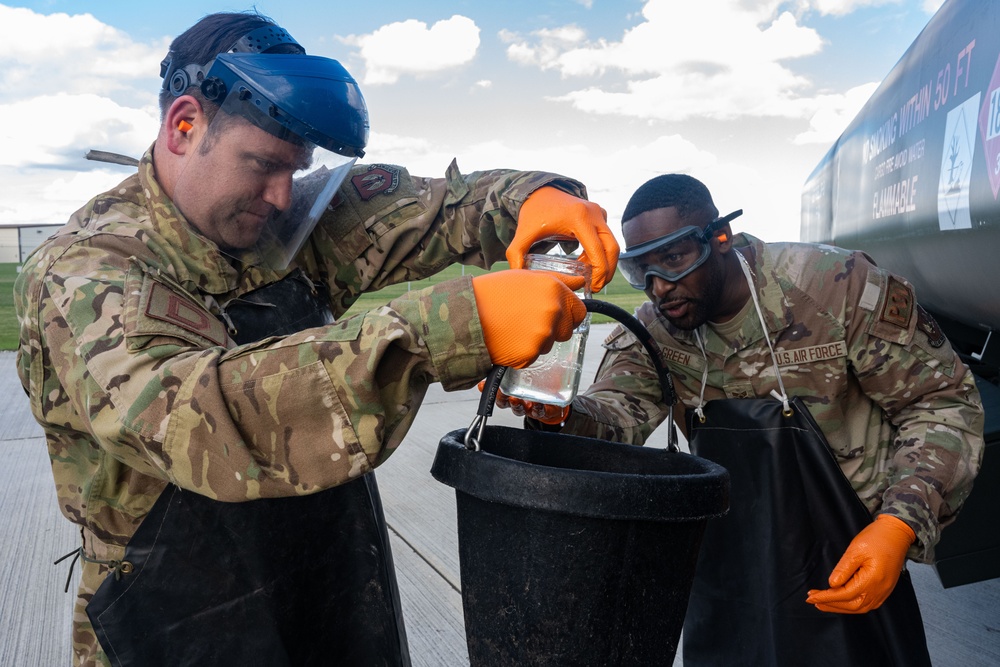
(17, 241)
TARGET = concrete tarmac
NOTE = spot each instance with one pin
(962, 623)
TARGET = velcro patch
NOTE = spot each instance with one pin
(679, 357)
(379, 179)
(167, 306)
(927, 324)
(898, 306)
(869, 298)
(742, 389)
(814, 353)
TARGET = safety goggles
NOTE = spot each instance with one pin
(673, 256)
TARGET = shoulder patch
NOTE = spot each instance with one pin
(378, 179)
(898, 306)
(930, 327)
(619, 339)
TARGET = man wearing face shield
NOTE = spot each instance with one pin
(783, 353)
(211, 416)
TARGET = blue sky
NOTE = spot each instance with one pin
(745, 95)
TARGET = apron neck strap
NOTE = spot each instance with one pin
(780, 392)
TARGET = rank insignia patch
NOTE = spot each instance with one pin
(168, 307)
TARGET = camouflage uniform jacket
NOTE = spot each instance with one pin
(134, 377)
(899, 408)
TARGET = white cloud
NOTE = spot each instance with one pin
(68, 84)
(56, 195)
(615, 175)
(611, 177)
(52, 130)
(844, 7)
(834, 113)
(74, 54)
(410, 47)
(550, 45)
(715, 58)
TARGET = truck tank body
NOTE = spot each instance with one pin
(914, 179)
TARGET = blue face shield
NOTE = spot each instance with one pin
(307, 101)
(670, 257)
(310, 102)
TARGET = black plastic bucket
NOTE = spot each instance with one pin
(576, 551)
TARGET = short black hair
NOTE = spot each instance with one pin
(210, 36)
(686, 193)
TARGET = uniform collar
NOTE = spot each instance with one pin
(769, 292)
(205, 267)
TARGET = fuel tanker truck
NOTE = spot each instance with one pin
(914, 182)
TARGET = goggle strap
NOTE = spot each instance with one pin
(718, 223)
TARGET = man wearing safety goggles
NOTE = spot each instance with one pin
(185, 349)
(673, 256)
(765, 343)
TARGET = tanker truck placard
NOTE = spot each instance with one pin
(989, 130)
(956, 166)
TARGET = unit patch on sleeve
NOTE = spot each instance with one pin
(927, 324)
(379, 179)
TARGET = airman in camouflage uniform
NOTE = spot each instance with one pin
(740, 319)
(133, 373)
(898, 407)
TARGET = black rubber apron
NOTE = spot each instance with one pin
(792, 515)
(287, 581)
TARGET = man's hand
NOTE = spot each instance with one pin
(869, 569)
(550, 213)
(524, 312)
(552, 415)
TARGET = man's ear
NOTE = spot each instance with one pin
(184, 125)
(724, 237)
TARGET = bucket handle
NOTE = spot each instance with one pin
(474, 434)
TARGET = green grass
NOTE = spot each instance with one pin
(8, 321)
(618, 292)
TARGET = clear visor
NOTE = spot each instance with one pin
(670, 257)
(312, 191)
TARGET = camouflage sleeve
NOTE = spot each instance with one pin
(905, 365)
(624, 403)
(386, 226)
(281, 417)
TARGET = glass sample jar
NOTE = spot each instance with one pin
(554, 377)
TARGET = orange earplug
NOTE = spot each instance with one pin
(185, 126)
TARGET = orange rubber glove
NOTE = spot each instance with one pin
(868, 570)
(550, 213)
(524, 312)
(552, 415)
